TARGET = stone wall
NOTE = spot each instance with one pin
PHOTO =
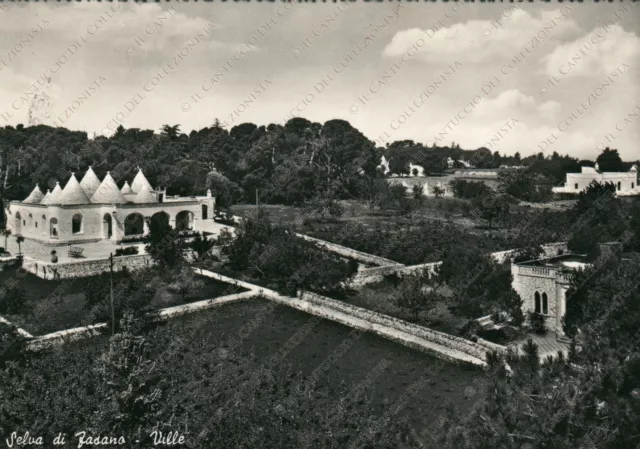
(473, 349)
(374, 275)
(548, 250)
(83, 268)
(349, 252)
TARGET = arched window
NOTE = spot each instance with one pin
(17, 226)
(76, 224)
(545, 304)
(53, 227)
(44, 222)
(619, 185)
(537, 302)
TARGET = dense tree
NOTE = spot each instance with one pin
(469, 189)
(413, 296)
(491, 207)
(276, 257)
(226, 192)
(163, 244)
(590, 402)
(609, 160)
(287, 163)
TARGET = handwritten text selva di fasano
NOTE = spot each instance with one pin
(159, 439)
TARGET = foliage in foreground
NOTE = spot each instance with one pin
(590, 400)
(161, 379)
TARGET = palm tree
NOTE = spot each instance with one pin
(19, 240)
(6, 233)
(172, 132)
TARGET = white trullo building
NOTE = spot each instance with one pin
(92, 210)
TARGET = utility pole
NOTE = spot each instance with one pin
(113, 313)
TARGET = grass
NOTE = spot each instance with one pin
(59, 305)
(380, 297)
(405, 367)
(399, 367)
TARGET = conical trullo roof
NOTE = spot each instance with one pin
(54, 197)
(90, 182)
(108, 192)
(139, 181)
(73, 193)
(126, 189)
(47, 195)
(35, 196)
(144, 195)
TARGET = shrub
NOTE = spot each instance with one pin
(13, 300)
(201, 246)
(537, 324)
(127, 251)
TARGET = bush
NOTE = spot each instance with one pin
(13, 300)
(127, 251)
(537, 324)
(500, 336)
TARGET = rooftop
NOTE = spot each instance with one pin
(90, 190)
(565, 261)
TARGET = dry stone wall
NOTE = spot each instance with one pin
(83, 268)
(449, 341)
(349, 252)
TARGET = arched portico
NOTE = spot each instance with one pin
(184, 220)
(161, 217)
(134, 224)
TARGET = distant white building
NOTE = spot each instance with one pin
(450, 163)
(416, 170)
(384, 165)
(626, 183)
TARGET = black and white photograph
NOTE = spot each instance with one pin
(320, 224)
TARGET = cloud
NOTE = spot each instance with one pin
(484, 41)
(595, 54)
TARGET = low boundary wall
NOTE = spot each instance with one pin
(477, 350)
(83, 268)
(349, 252)
(373, 275)
(78, 333)
(437, 343)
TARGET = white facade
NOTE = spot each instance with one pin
(626, 183)
(91, 211)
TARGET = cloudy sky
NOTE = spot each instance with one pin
(541, 77)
